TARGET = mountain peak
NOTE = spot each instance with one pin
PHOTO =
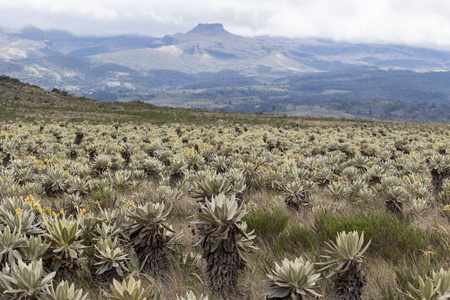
(213, 28)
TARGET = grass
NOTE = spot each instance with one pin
(393, 239)
(268, 221)
(297, 238)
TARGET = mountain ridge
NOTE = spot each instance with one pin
(219, 40)
(212, 68)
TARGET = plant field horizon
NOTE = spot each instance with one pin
(182, 203)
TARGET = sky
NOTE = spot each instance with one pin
(411, 22)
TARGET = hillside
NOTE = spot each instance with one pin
(18, 100)
(24, 102)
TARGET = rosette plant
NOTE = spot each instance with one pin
(24, 281)
(26, 223)
(293, 280)
(130, 290)
(35, 249)
(55, 181)
(64, 291)
(219, 230)
(426, 291)
(210, 185)
(345, 258)
(395, 197)
(148, 233)
(440, 170)
(10, 244)
(110, 259)
(442, 281)
(436, 287)
(297, 194)
(65, 237)
(191, 296)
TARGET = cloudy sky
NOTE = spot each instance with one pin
(417, 22)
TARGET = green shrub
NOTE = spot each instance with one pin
(97, 197)
(268, 222)
(295, 238)
(392, 238)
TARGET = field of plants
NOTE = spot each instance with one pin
(338, 210)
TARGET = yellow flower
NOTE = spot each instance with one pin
(19, 211)
(447, 207)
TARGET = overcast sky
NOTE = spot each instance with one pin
(417, 22)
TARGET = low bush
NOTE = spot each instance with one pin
(268, 222)
(392, 238)
(296, 238)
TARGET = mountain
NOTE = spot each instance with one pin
(213, 42)
(202, 67)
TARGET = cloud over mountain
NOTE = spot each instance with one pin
(386, 21)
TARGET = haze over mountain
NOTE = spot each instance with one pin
(212, 41)
(209, 57)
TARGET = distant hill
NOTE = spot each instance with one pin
(368, 84)
(21, 101)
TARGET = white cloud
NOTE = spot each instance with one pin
(392, 21)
